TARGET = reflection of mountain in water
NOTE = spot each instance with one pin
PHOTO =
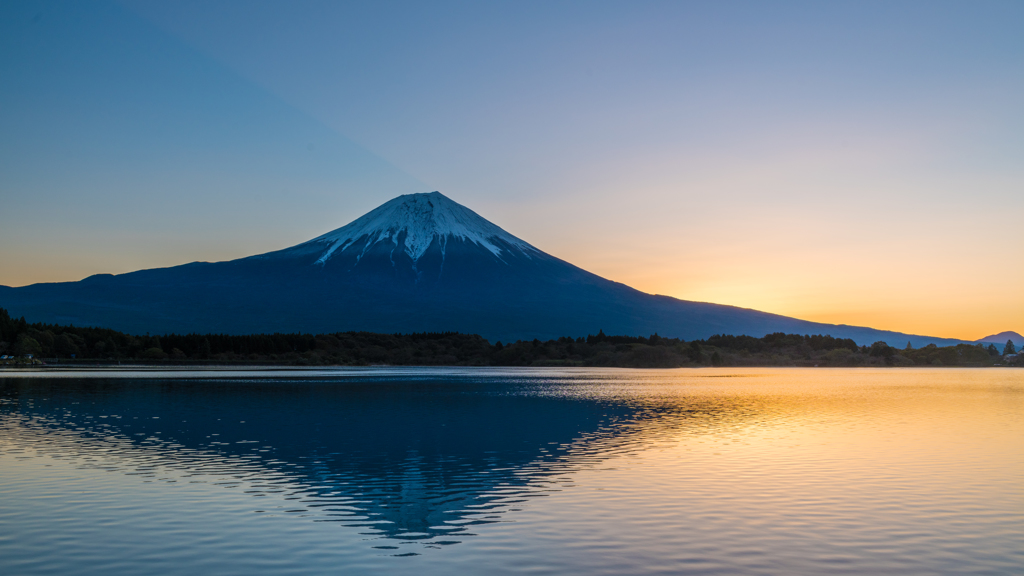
(415, 459)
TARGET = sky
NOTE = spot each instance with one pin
(846, 162)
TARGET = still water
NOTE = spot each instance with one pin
(488, 471)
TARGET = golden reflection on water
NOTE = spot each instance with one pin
(811, 421)
(808, 468)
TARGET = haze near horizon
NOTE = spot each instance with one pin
(854, 163)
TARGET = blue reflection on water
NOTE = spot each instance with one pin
(425, 459)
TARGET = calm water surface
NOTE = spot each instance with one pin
(487, 471)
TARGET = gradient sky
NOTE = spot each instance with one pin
(857, 163)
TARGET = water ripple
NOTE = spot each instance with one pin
(595, 471)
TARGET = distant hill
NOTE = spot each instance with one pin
(418, 263)
(1001, 338)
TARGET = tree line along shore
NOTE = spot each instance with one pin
(26, 343)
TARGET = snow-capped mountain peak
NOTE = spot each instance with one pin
(423, 218)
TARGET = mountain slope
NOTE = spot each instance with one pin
(1001, 338)
(418, 263)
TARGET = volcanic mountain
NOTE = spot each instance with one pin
(418, 263)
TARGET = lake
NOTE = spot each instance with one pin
(508, 471)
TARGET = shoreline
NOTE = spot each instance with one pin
(46, 367)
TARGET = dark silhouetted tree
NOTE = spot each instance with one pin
(154, 353)
(63, 345)
(1009, 348)
(882, 349)
(26, 345)
(694, 353)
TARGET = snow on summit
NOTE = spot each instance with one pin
(423, 217)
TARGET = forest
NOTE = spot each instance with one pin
(35, 343)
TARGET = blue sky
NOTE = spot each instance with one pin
(856, 162)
